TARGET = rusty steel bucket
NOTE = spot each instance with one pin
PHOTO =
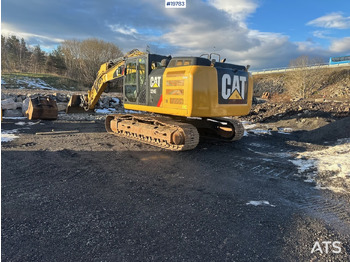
(76, 104)
(42, 107)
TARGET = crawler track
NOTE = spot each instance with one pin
(236, 128)
(219, 128)
(162, 132)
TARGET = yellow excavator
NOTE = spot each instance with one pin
(188, 96)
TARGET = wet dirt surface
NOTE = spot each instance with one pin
(91, 196)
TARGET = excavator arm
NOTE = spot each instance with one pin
(108, 72)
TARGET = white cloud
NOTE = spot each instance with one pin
(123, 29)
(332, 20)
(341, 45)
(8, 30)
(237, 9)
(323, 34)
(196, 35)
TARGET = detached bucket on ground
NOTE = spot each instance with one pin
(41, 107)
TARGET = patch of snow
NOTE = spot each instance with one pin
(34, 83)
(115, 100)
(14, 117)
(259, 131)
(260, 203)
(105, 111)
(25, 123)
(132, 112)
(256, 144)
(303, 164)
(248, 125)
(3, 82)
(330, 167)
(285, 130)
(20, 123)
(30, 82)
(8, 135)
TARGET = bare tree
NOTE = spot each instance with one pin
(303, 78)
(4, 59)
(83, 58)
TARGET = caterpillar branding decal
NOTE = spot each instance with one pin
(155, 87)
(155, 81)
(233, 87)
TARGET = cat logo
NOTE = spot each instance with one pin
(234, 91)
(155, 81)
(233, 88)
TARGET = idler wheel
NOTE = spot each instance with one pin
(178, 138)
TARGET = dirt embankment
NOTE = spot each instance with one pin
(318, 122)
(331, 84)
(272, 111)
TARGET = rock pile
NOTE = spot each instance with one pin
(15, 104)
(273, 111)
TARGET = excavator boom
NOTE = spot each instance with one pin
(108, 72)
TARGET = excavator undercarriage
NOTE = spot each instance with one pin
(159, 131)
(175, 134)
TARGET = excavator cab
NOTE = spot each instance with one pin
(137, 79)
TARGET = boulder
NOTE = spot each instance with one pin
(19, 99)
(10, 104)
(61, 97)
(12, 113)
(61, 106)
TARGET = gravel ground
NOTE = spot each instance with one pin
(85, 195)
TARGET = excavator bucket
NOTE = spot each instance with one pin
(75, 105)
(42, 108)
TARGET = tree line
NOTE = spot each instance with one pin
(76, 59)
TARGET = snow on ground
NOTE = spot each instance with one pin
(105, 111)
(29, 82)
(259, 131)
(256, 129)
(329, 168)
(112, 110)
(248, 125)
(35, 83)
(14, 117)
(259, 203)
(25, 123)
(285, 130)
(115, 101)
(133, 112)
(249, 128)
(8, 135)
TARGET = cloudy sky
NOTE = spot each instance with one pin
(262, 33)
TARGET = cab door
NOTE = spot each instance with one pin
(135, 82)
